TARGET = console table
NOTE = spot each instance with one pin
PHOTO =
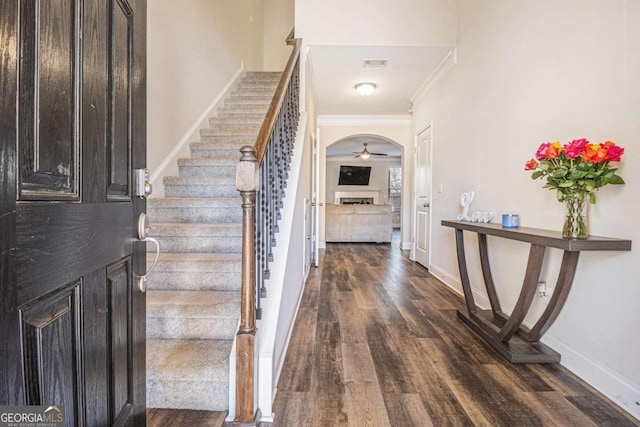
(506, 334)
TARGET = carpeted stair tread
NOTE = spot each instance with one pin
(198, 230)
(197, 237)
(188, 360)
(193, 298)
(229, 121)
(218, 142)
(193, 304)
(185, 314)
(190, 210)
(230, 131)
(169, 202)
(199, 180)
(207, 162)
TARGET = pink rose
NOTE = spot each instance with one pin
(542, 150)
(575, 148)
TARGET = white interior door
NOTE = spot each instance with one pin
(315, 179)
(423, 197)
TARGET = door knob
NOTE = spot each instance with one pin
(143, 228)
(426, 205)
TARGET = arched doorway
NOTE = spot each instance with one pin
(376, 162)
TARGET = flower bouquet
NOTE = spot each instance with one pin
(576, 170)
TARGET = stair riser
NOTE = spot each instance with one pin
(208, 170)
(222, 153)
(206, 215)
(203, 191)
(244, 111)
(201, 395)
(247, 133)
(245, 104)
(186, 328)
(255, 117)
(256, 90)
(235, 121)
(225, 143)
(191, 244)
(194, 281)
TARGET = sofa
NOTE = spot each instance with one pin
(358, 223)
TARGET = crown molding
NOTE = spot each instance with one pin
(442, 69)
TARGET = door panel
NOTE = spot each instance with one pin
(119, 283)
(48, 116)
(119, 140)
(51, 337)
(72, 321)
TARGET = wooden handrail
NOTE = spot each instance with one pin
(247, 169)
(276, 103)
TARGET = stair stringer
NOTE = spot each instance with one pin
(269, 359)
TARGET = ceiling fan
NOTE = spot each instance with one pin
(365, 154)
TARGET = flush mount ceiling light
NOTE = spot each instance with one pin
(365, 89)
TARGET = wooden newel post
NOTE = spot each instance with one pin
(245, 342)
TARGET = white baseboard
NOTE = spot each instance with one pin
(454, 283)
(620, 390)
(192, 133)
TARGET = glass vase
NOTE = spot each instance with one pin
(575, 219)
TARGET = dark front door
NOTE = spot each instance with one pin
(72, 129)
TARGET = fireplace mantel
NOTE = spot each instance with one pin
(373, 194)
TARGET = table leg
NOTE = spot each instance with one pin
(488, 278)
(532, 275)
(464, 274)
(560, 294)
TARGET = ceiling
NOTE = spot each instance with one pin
(337, 69)
(348, 147)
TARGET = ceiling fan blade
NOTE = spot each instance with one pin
(355, 157)
(378, 154)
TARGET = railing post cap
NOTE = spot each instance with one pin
(248, 153)
(246, 176)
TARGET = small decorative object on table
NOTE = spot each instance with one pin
(576, 170)
(510, 221)
(465, 201)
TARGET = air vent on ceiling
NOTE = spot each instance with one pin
(375, 63)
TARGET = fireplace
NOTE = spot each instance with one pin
(356, 200)
(368, 197)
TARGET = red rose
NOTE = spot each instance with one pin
(614, 152)
(530, 165)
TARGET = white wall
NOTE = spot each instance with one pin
(379, 179)
(395, 128)
(278, 22)
(529, 72)
(194, 48)
(377, 22)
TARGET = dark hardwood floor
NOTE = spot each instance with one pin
(377, 343)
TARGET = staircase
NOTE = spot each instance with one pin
(193, 297)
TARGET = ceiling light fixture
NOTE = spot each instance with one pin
(365, 89)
